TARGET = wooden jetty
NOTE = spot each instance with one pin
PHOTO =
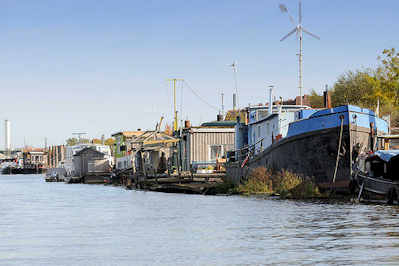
(189, 184)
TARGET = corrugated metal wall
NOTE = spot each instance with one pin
(200, 141)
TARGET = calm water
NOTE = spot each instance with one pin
(59, 224)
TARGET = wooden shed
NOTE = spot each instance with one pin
(152, 151)
(203, 145)
(90, 162)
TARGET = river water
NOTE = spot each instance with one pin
(59, 224)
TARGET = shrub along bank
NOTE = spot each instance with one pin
(283, 183)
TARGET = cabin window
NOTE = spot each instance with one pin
(215, 151)
(227, 148)
(377, 168)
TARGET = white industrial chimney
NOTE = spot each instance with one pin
(270, 100)
(7, 135)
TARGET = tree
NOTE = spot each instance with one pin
(370, 87)
(109, 141)
(389, 74)
(96, 141)
(353, 87)
(71, 141)
(168, 130)
(84, 141)
(316, 100)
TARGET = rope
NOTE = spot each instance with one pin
(199, 97)
(339, 149)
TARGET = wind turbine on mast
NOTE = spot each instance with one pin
(299, 30)
(234, 66)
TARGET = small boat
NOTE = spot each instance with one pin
(55, 175)
(378, 175)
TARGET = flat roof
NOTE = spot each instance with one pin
(212, 129)
(128, 133)
(389, 136)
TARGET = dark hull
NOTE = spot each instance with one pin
(22, 171)
(378, 186)
(312, 154)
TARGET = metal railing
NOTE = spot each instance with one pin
(245, 153)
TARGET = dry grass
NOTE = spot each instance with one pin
(284, 183)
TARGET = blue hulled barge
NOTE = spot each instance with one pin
(323, 144)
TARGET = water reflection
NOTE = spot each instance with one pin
(47, 223)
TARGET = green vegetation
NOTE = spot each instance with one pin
(368, 87)
(283, 183)
(96, 141)
(259, 182)
(75, 141)
(109, 142)
(316, 101)
(71, 141)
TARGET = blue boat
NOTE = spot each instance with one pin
(322, 144)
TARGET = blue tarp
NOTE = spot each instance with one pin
(386, 155)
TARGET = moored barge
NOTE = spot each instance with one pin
(323, 144)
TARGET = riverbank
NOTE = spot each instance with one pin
(260, 181)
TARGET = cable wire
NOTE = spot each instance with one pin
(199, 97)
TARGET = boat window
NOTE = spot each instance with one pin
(394, 168)
(377, 168)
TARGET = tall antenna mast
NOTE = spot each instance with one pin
(175, 123)
(234, 66)
(299, 33)
(222, 94)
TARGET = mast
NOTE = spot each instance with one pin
(175, 120)
(300, 64)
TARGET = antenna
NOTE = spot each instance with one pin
(175, 122)
(222, 94)
(234, 66)
(299, 33)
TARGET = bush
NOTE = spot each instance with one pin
(284, 183)
(259, 182)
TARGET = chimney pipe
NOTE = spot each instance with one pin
(270, 99)
(7, 135)
(327, 98)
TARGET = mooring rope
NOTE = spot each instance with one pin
(339, 148)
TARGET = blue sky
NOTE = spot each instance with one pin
(102, 66)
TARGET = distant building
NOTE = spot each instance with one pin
(305, 100)
(123, 156)
(153, 153)
(56, 156)
(90, 162)
(34, 158)
(70, 151)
